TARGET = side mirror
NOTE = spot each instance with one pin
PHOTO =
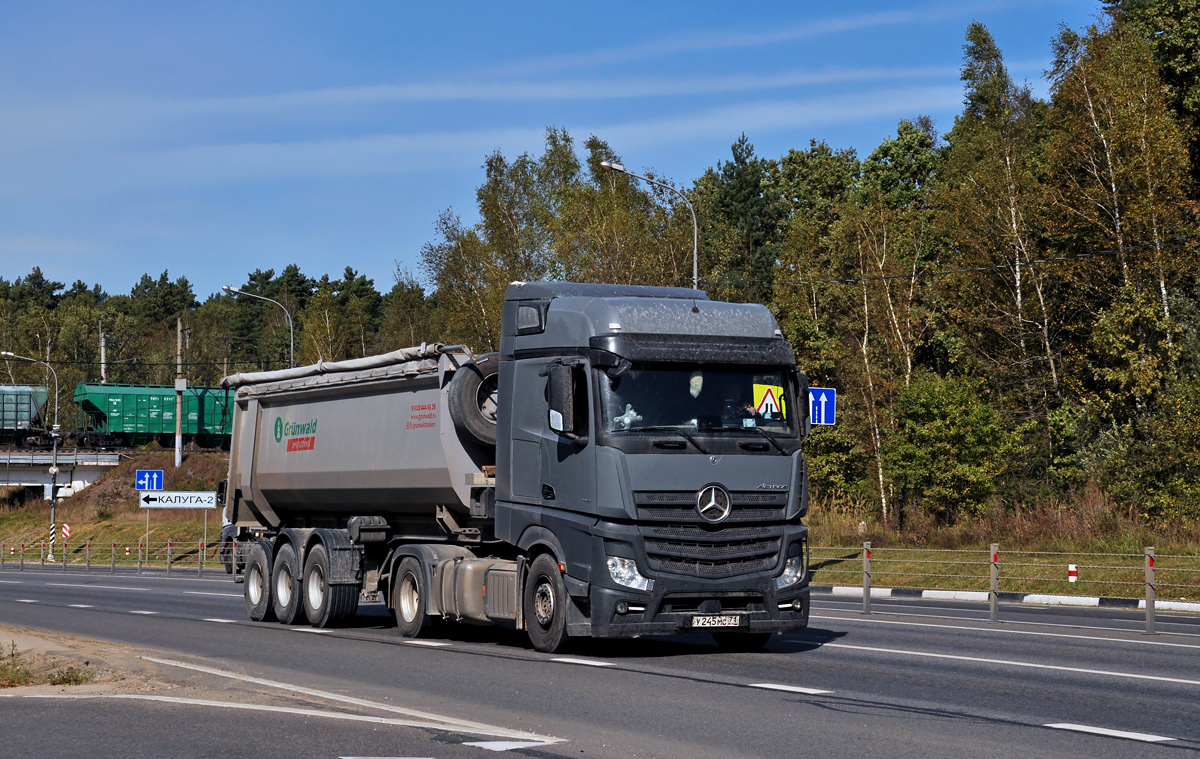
(802, 398)
(562, 399)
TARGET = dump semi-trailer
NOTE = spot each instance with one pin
(630, 463)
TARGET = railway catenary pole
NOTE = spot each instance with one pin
(613, 166)
(291, 331)
(54, 454)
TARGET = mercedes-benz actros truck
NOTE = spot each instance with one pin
(629, 463)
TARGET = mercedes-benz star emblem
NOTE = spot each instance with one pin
(713, 503)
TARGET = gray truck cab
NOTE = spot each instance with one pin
(651, 439)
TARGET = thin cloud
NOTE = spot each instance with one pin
(709, 41)
(246, 163)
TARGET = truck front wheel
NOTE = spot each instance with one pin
(257, 590)
(546, 605)
(409, 598)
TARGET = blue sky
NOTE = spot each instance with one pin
(215, 138)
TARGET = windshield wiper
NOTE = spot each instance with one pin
(768, 436)
(668, 428)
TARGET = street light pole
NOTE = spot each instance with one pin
(291, 330)
(54, 454)
(613, 166)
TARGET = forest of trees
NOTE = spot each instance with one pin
(1010, 310)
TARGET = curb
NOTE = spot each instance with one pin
(1042, 599)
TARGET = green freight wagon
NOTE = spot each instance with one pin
(21, 417)
(135, 415)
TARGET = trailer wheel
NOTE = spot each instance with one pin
(546, 605)
(409, 596)
(324, 604)
(472, 398)
(257, 590)
(285, 585)
(742, 642)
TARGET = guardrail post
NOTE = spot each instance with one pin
(140, 547)
(22, 557)
(168, 558)
(866, 577)
(112, 570)
(3, 550)
(64, 550)
(87, 567)
(42, 554)
(994, 592)
(1150, 590)
(200, 563)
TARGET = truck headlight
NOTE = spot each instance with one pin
(625, 572)
(793, 570)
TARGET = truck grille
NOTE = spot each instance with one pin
(680, 506)
(680, 541)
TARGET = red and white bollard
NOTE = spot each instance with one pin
(1072, 573)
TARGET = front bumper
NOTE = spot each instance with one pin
(676, 602)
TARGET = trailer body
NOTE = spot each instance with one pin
(629, 463)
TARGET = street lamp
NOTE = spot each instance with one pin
(292, 349)
(54, 455)
(613, 166)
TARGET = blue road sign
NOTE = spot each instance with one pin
(148, 479)
(822, 402)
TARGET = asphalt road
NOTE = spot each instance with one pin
(915, 679)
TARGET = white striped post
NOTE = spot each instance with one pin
(1150, 590)
(866, 577)
(994, 591)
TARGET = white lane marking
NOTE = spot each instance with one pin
(430, 643)
(248, 707)
(1010, 663)
(1111, 733)
(507, 745)
(309, 630)
(87, 585)
(451, 724)
(215, 619)
(26, 600)
(80, 606)
(584, 662)
(11, 582)
(139, 611)
(1011, 632)
(209, 593)
(1029, 623)
(790, 688)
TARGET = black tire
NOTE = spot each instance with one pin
(226, 552)
(743, 642)
(323, 603)
(285, 585)
(257, 590)
(472, 398)
(546, 605)
(409, 594)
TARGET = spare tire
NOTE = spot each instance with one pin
(473, 398)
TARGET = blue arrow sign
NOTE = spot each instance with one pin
(822, 403)
(148, 479)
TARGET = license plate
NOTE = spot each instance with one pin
(718, 620)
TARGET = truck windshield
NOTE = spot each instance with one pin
(703, 399)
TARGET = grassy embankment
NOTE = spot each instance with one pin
(1105, 541)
